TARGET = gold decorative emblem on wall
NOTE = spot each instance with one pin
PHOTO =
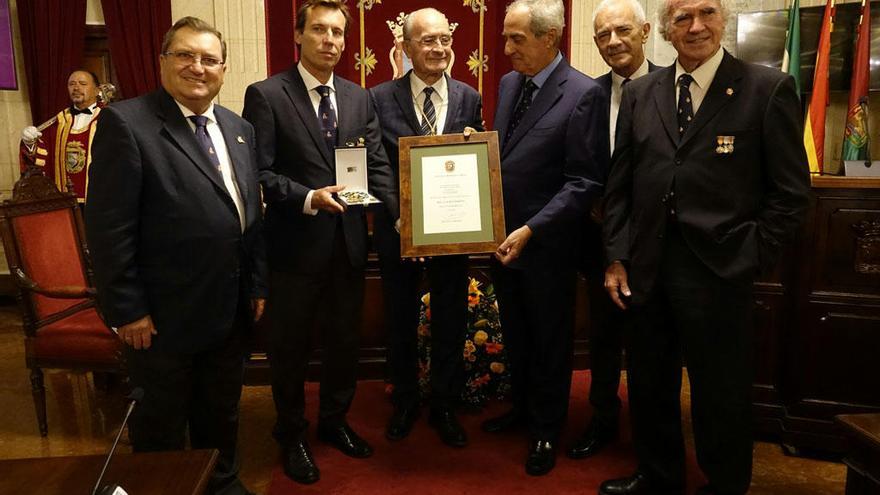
(867, 255)
(368, 63)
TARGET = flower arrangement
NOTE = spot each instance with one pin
(485, 360)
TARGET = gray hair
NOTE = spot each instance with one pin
(664, 16)
(408, 22)
(545, 15)
(635, 7)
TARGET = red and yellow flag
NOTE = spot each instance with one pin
(814, 130)
(855, 136)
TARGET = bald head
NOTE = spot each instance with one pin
(427, 43)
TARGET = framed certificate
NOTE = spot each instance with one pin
(450, 195)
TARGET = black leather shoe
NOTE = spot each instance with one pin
(298, 463)
(346, 440)
(542, 457)
(591, 442)
(401, 422)
(444, 421)
(637, 484)
(509, 421)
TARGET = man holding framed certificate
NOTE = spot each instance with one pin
(553, 122)
(425, 101)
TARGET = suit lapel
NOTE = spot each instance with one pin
(182, 134)
(238, 153)
(403, 96)
(547, 96)
(506, 107)
(453, 106)
(299, 96)
(664, 98)
(724, 87)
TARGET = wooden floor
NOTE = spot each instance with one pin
(83, 420)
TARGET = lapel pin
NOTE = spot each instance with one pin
(725, 145)
(729, 91)
(240, 139)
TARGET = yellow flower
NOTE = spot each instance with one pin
(481, 323)
(426, 299)
(497, 367)
(480, 337)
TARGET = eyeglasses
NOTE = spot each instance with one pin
(188, 58)
(431, 41)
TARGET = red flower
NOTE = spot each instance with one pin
(494, 348)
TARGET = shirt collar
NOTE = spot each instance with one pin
(187, 113)
(541, 77)
(617, 79)
(704, 74)
(311, 81)
(417, 85)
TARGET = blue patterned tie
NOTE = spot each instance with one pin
(327, 116)
(685, 103)
(429, 115)
(204, 138)
(525, 101)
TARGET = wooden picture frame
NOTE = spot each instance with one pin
(430, 227)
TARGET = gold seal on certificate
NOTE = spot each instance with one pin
(450, 194)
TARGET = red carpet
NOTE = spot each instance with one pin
(422, 465)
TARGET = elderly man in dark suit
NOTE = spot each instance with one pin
(709, 180)
(620, 32)
(174, 228)
(317, 248)
(425, 101)
(553, 122)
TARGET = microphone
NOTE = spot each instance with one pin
(135, 397)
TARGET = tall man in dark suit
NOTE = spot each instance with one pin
(424, 101)
(553, 123)
(709, 181)
(317, 249)
(174, 228)
(620, 32)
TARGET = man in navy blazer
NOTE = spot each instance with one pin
(317, 248)
(174, 228)
(709, 182)
(620, 31)
(425, 101)
(553, 123)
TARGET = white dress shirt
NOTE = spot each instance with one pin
(312, 84)
(440, 99)
(222, 155)
(81, 121)
(617, 93)
(703, 77)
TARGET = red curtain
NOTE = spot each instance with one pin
(135, 31)
(378, 41)
(52, 39)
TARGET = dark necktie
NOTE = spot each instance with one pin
(528, 90)
(204, 138)
(429, 115)
(327, 116)
(625, 81)
(76, 111)
(685, 104)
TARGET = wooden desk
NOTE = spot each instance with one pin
(863, 459)
(167, 473)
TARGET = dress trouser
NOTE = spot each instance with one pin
(401, 287)
(199, 390)
(332, 300)
(536, 307)
(607, 327)
(694, 314)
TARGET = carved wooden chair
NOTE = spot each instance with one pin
(44, 240)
